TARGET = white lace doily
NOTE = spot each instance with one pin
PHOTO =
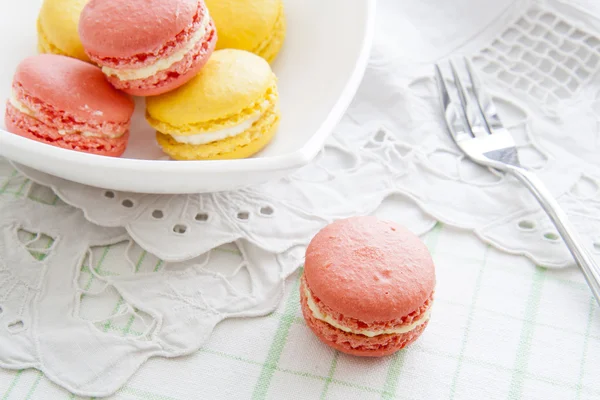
(87, 306)
(88, 317)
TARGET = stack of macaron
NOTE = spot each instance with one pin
(203, 103)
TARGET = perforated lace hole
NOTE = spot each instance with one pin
(548, 18)
(1, 310)
(499, 45)
(582, 53)
(243, 215)
(555, 40)
(523, 23)
(491, 68)
(545, 66)
(523, 84)
(529, 58)
(109, 194)
(402, 149)
(551, 236)
(537, 92)
(527, 42)
(128, 203)
(533, 12)
(592, 62)
(571, 63)
(515, 52)
(540, 48)
(573, 85)
(556, 56)
(526, 225)
(510, 35)
(267, 210)
(534, 76)
(506, 77)
(562, 27)
(592, 41)
(547, 83)
(157, 214)
(578, 34)
(16, 326)
(538, 31)
(581, 74)
(180, 229)
(567, 46)
(561, 93)
(201, 217)
(379, 136)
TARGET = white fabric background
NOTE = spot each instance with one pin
(499, 324)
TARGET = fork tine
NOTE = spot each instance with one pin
(484, 102)
(476, 90)
(443, 89)
(462, 98)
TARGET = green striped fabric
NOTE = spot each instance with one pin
(502, 328)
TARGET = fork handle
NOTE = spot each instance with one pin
(584, 260)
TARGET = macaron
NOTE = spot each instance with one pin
(57, 28)
(367, 288)
(147, 47)
(229, 110)
(68, 103)
(258, 26)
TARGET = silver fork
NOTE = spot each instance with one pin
(476, 129)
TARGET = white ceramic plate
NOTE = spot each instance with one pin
(319, 69)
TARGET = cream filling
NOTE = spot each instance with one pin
(90, 134)
(26, 110)
(220, 134)
(366, 332)
(164, 63)
(20, 106)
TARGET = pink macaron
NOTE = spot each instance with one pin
(368, 286)
(147, 47)
(68, 103)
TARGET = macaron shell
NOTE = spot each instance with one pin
(358, 345)
(57, 27)
(31, 128)
(244, 24)
(241, 146)
(44, 46)
(261, 106)
(231, 81)
(125, 28)
(369, 269)
(73, 86)
(270, 48)
(176, 75)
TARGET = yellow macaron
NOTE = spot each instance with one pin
(229, 110)
(257, 26)
(57, 25)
